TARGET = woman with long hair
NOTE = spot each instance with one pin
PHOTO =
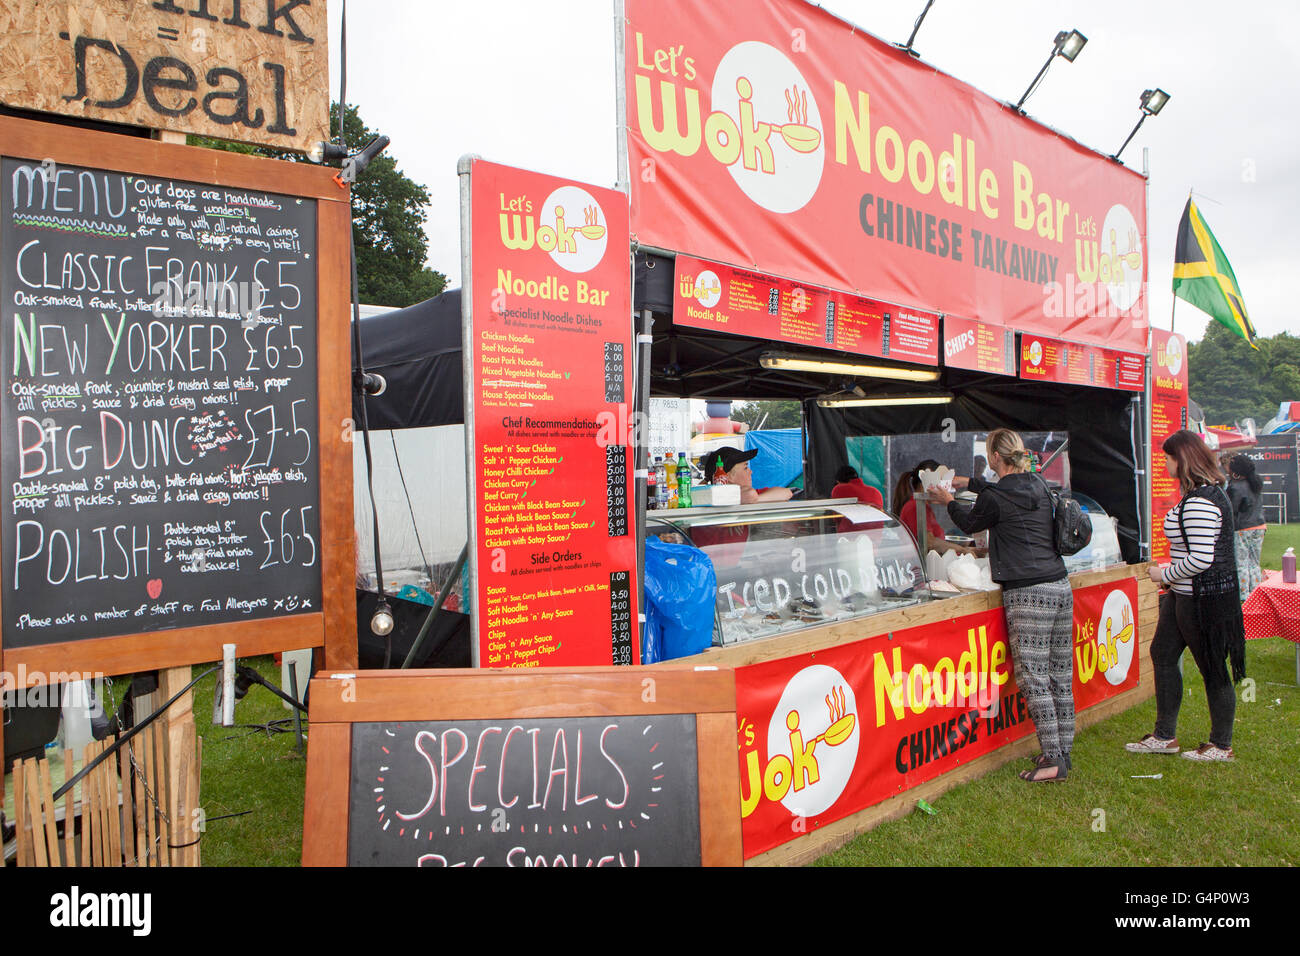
(1036, 595)
(1244, 492)
(1200, 610)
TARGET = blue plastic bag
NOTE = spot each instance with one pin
(680, 588)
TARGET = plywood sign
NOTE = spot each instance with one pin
(255, 72)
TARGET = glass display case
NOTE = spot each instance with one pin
(791, 565)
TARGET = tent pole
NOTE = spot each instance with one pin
(641, 436)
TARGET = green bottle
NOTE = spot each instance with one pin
(683, 481)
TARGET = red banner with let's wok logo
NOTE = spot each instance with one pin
(824, 735)
(772, 136)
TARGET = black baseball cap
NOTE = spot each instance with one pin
(728, 458)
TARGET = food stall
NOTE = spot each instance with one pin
(793, 246)
(883, 232)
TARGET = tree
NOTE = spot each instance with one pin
(389, 212)
(778, 413)
(1232, 381)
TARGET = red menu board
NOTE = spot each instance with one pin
(1054, 360)
(1168, 415)
(716, 297)
(979, 347)
(548, 359)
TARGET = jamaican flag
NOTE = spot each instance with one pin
(1203, 277)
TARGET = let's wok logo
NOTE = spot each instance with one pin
(812, 745)
(765, 127)
(1104, 645)
(569, 226)
(1169, 355)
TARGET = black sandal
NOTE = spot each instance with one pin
(1043, 763)
(1069, 764)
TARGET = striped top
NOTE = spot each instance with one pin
(1202, 521)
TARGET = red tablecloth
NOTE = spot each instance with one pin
(1273, 609)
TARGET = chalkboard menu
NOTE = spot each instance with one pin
(160, 410)
(574, 791)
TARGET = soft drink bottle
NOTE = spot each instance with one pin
(683, 481)
(670, 471)
(651, 486)
(661, 483)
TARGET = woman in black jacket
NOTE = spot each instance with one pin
(1245, 495)
(1036, 595)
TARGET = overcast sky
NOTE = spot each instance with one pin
(531, 83)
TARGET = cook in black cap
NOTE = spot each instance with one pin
(734, 464)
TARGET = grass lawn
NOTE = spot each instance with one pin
(1237, 814)
(246, 769)
(1277, 539)
(1216, 815)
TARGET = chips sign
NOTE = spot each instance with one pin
(255, 73)
(978, 347)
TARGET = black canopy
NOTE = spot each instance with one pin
(417, 350)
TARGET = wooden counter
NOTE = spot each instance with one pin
(826, 838)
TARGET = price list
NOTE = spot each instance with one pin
(159, 408)
(615, 384)
(1077, 364)
(616, 489)
(548, 367)
(620, 616)
(799, 314)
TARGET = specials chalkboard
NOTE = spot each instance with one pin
(160, 410)
(577, 791)
(537, 766)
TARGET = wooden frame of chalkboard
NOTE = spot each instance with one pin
(333, 625)
(342, 705)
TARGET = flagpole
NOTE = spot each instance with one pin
(1174, 305)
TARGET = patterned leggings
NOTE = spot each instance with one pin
(1247, 546)
(1040, 629)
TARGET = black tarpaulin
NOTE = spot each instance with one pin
(417, 350)
(1097, 420)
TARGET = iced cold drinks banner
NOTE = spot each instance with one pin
(772, 136)
(160, 404)
(548, 352)
(823, 736)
